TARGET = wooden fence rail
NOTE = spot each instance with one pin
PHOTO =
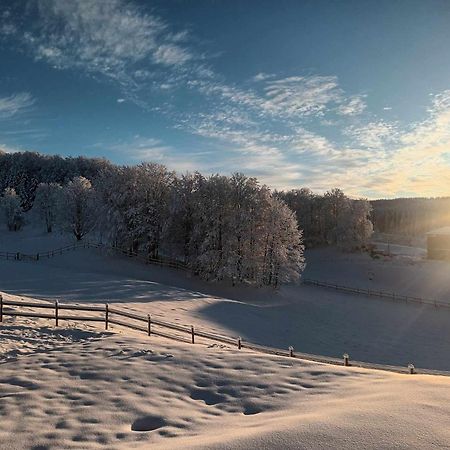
(162, 261)
(377, 293)
(148, 324)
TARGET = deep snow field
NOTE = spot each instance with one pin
(80, 387)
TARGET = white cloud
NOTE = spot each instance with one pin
(355, 105)
(261, 76)
(308, 142)
(149, 149)
(302, 95)
(15, 104)
(373, 135)
(271, 129)
(171, 54)
(111, 38)
(9, 149)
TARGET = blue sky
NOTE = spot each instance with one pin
(351, 94)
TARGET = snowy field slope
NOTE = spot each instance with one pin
(313, 320)
(407, 274)
(80, 387)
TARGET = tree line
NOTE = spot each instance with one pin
(331, 218)
(222, 227)
(411, 216)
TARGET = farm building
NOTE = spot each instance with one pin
(438, 243)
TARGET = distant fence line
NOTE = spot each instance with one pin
(162, 261)
(187, 334)
(377, 293)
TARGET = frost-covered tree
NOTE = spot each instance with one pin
(241, 233)
(137, 203)
(283, 259)
(354, 228)
(335, 205)
(330, 219)
(46, 203)
(243, 224)
(12, 212)
(24, 171)
(151, 205)
(183, 208)
(78, 207)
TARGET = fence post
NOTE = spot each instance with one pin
(149, 324)
(346, 357)
(239, 343)
(291, 351)
(106, 316)
(1, 308)
(56, 312)
(192, 334)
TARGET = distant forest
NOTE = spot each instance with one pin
(25, 171)
(410, 216)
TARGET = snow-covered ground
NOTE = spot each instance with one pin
(80, 387)
(400, 250)
(313, 320)
(410, 274)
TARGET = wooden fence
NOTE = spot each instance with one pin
(377, 293)
(19, 256)
(111, 315)
(162, 261)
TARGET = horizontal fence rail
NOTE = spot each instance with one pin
(377, 293)
(161, 261)
(188, 334)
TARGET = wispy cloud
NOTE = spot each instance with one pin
(373, 135)
(10, 149)
(302, 95)
(15, 104)
(261, 76)
(108, 38)
(288, 129)
(353, 106)
(142, 148)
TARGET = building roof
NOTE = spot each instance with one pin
(439, 231)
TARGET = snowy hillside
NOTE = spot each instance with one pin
(313, 320)
(83, 388)
(408, 272)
